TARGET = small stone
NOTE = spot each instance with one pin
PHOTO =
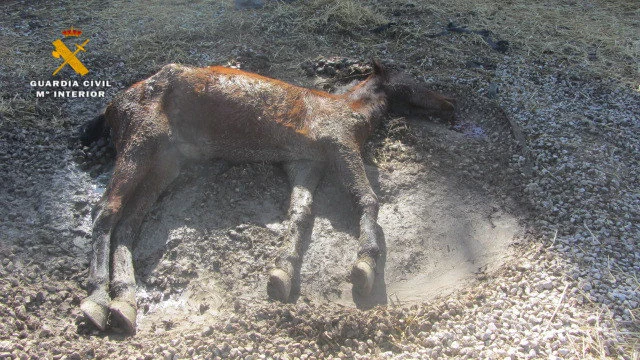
(6, 346)
(524, 265)
(208, 331)
(545, 285)
(563, 352)
(45, 331)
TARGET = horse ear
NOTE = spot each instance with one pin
(378, 69)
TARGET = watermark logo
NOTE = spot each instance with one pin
(70, 88)
(69, 58)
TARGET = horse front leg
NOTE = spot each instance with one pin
(349, 166)
(304, 177)
(161, 169)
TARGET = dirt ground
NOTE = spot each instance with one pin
(440, 232)
(217, 230)
(456, 206)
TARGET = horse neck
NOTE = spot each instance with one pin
(368, 99)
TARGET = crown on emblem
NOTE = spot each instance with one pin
(71, 32)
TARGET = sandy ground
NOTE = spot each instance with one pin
(512, 236)
(213, 237)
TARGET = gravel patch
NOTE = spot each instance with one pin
(584, 140)
(573, 292)
(565, 156)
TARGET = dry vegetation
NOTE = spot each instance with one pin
(132, 39)
(591, 39)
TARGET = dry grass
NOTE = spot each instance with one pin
(132, 39)
(590, 341)
(595, 37)
(341, 16)
(599, 36)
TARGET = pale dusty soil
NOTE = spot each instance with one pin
(222, 231)
(515, 236)
(210, 240)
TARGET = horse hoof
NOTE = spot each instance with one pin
(95, 312)
(124, 316)
(279, 286)
(362, 275)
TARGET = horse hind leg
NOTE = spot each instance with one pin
(162, 171)
(95, 306)
(126, 177)
(304, 177)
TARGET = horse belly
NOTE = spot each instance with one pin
(247, 143)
